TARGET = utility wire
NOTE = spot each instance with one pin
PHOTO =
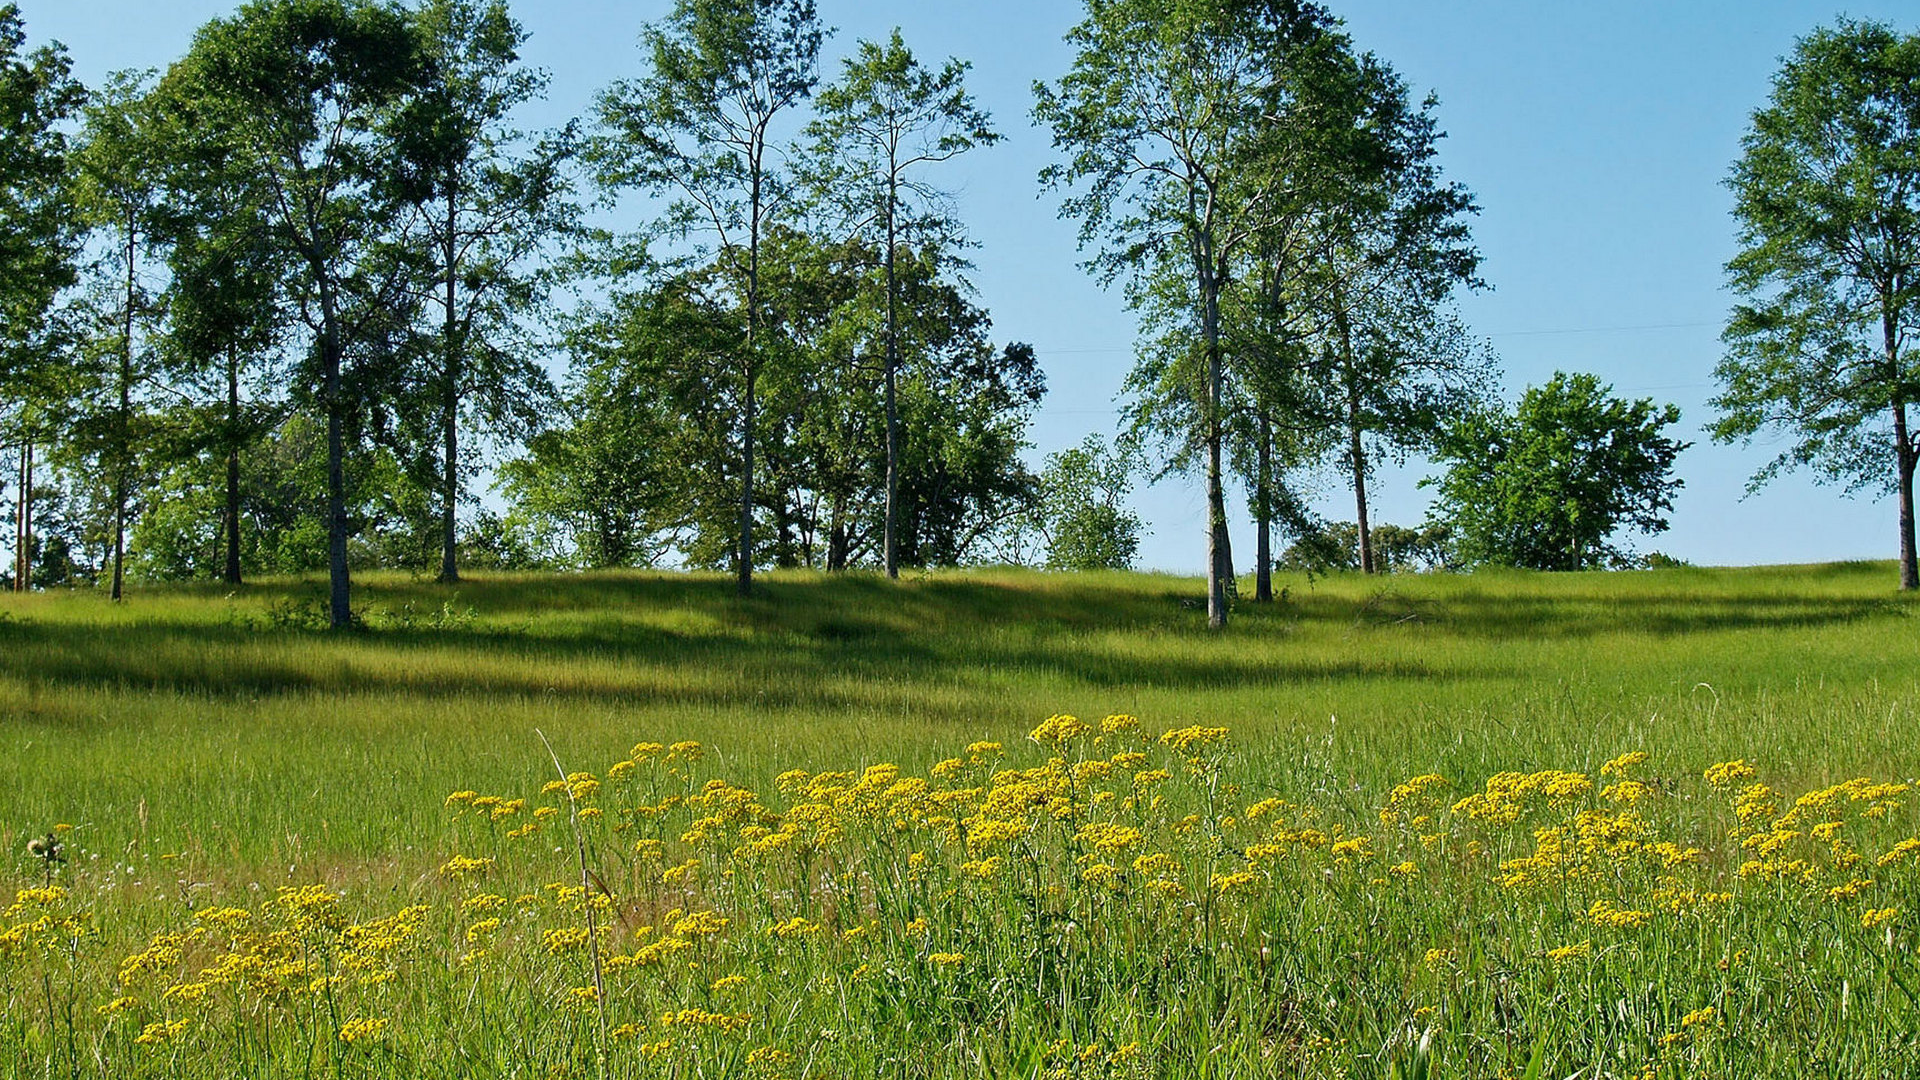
(1044, 351)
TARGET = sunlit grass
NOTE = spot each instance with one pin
(206, 747)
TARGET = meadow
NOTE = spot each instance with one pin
(1650, 824)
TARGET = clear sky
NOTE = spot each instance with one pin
(1595, 136)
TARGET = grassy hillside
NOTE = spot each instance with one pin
(1643, 825)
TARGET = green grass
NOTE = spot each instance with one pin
(186, 720)
(207, 746)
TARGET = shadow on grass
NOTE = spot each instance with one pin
(811, 642)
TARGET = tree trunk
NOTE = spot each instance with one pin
(232, 530)
(1219, 559)
(339, 608)
(450, 410)
(19, 508)
(123, 453)
(890, 542)
(1263, 514)
(1905, 457)
(22, 563)
(25, 580)
(744, 574)
(1207, 282)
(1356, 451)
(1229, 581)
(1903, 450)
(837, 536)
(1359, 459)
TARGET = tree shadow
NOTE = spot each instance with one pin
(811, 642)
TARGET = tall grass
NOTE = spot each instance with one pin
(204, 748)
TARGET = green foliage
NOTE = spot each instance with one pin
(494, 199)
(879, 127)
(648, 462)
(295, 92)
(700, 127)
(1547, 485)
(1082, 515)
(1827, 197)
(637, 456)
(1396, 548)
(39, 230)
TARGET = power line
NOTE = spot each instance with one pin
(1045, 351)
(1602, 329)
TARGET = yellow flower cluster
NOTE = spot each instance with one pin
(709, 902)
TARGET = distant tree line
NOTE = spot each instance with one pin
(278, 307)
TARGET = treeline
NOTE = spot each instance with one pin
(274, 308)
(280, 305)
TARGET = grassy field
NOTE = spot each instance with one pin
(1281, 902)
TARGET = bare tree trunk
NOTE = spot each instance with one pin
(19, 506)
(1219, 559)
(123, 453)
(23, 473)
(1905, 457)
(1903, 450)
(1263, 514)
(233, 468)
(890, 542)
(1359, 459)
(744, 575)
(837, 535)
(339, 607)
(1230, 582)
(450, 409)
(24, 583)
(1357, 456)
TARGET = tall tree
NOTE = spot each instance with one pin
(1163, 117)
(224, 315)
(1387, 257)
(295, 91)
(39, 241)
(879, 127)
(118, 167)
(701, 124)
(492, 199)
(1827, 196)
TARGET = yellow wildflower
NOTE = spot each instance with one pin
(363, 1028)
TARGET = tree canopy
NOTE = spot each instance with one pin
(1549, 484)
(1822, 348)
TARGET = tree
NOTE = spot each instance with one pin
(632, 464)
(1394, 364)
(878, 127)
(1083, 517)
(642, 464)
(224, 321)
(39, 240)
(1164, 118)
(118, 172)
(1336, 546)
(1547, 485)
(294, 91)
(1827, 196)
(490, 206)
(701, 125)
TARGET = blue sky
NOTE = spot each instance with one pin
(1595, 136)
